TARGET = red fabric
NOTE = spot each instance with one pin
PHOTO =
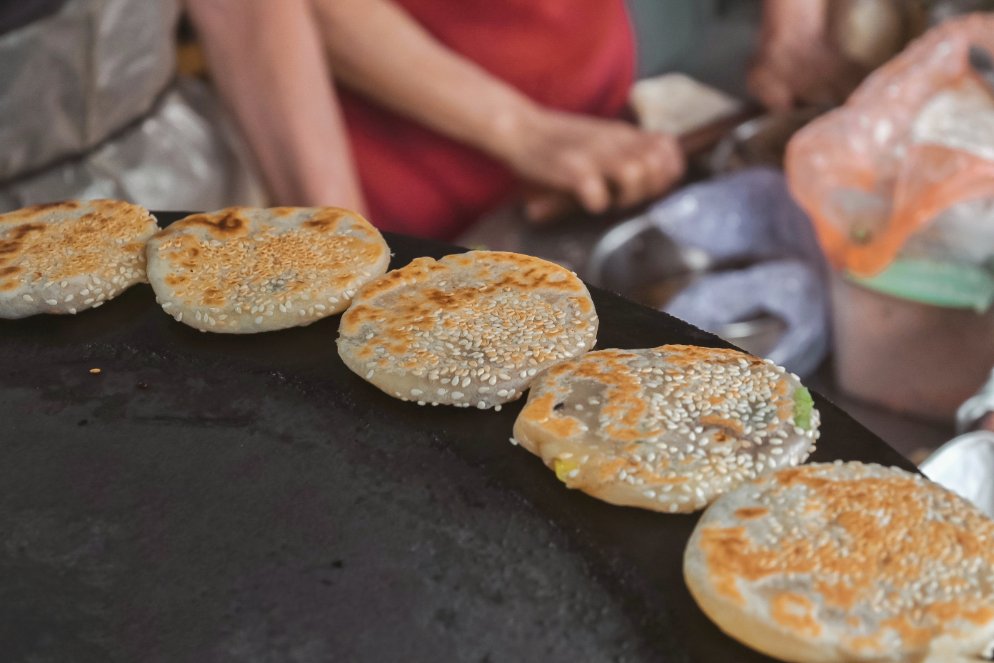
(575, 55)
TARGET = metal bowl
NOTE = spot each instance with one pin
(643, 263)
(640, 261)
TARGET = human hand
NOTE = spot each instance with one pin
(596, 162)
(789, 72)
(797, 62)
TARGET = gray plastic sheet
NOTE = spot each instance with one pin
(91, 107)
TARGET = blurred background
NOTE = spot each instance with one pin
(812, 180)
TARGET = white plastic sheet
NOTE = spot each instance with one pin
(90, 107)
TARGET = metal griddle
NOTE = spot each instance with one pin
(247, 498)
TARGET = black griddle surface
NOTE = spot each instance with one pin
(247, 498)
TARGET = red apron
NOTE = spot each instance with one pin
(575, 55)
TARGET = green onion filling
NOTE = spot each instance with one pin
(803, 404)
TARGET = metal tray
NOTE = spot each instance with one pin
(215, 498)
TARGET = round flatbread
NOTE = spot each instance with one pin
(667, 428)
(243, 270)
(471, 329)
(846, 562)
(70, 256)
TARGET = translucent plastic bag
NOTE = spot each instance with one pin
(916, 139)
(900, 185)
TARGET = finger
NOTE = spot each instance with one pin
(630, 179)
(549, 206)
(771, 91)
(665, 164)
(657, 173)
(677, 162)
(584, 180)
(827, 80)
(660, 162)
(593, 193)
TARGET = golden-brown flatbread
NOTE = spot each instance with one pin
(471, 329)
(667, 428)
(70, 256)
(847, 562)
(242, 270)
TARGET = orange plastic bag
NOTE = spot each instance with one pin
(865, 173)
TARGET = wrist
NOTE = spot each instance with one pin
(510, 129)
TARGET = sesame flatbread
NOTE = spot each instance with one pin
(70, 256)
(847, 562)
(471, 329)
(667, 428)
(242, 270)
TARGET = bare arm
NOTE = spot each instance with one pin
(379, 50)
(267, 61)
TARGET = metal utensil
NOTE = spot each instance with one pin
(982, 63)
(640, 261)
(940, 11)
(636, 254)
(965, 465)
(760, 141)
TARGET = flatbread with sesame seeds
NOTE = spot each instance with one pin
(472, 329)
(70, 256)
(667, 428)
(242, 270)
(847, 562)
